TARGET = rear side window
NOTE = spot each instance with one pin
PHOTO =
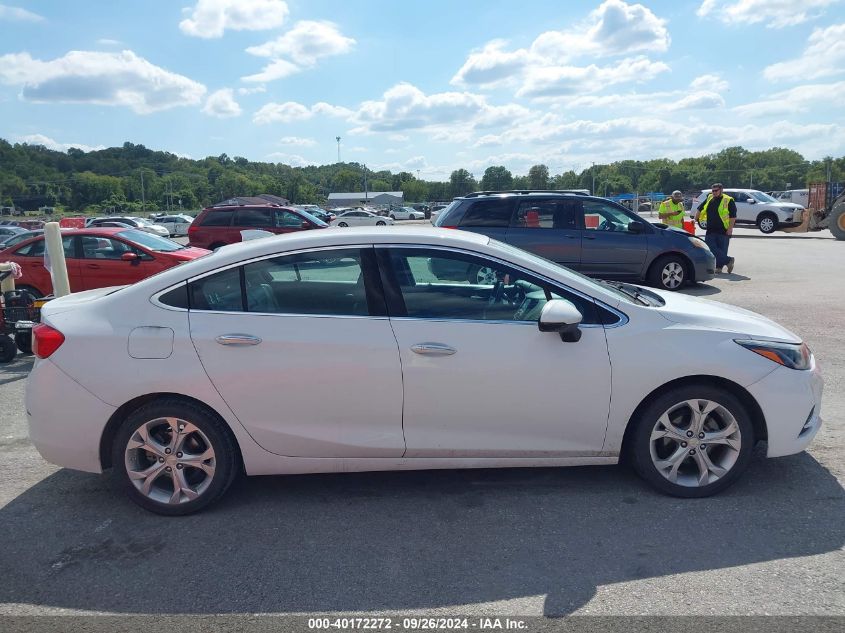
(217, 218)
(495, 212)
(220, 292)
(254, 218)
(176, 298)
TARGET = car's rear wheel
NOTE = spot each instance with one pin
(693, 441)
(173, 457)
(344, 224)
(481, 275)
(380, 223)
(767, 223)
(669, 273)
(23, 340)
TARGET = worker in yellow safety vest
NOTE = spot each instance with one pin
(721, 209)
(671, 211)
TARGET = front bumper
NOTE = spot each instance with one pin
(704, 265)
(791, 402)
(66, 421)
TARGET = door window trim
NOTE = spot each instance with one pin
(392, 291)
(374, 291)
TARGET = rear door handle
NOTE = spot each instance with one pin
(238, 340)
(433, 349)
(589, 237)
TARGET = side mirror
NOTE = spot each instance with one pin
(131, 257)
(752, 201)
(635, 227)
(559, 315)
(305, 224)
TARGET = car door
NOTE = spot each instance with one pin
(614, 242)
(548, 228)
(301, 349)
(101, 265)
(30, 257)
(745, 209)
(480, 379)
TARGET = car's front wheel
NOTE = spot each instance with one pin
(692, 441)
(342, 224)
(380, 223)
(767, 223)
(669, 273)
(173, 457)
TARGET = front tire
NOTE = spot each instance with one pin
(693, 441)
(380, 223)
(174, 458)
(343, 224)
(669, 272)
(767, 223)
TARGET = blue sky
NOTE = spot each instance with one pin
(429, 86)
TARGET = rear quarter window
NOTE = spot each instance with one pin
(217, 218)
(494, 212)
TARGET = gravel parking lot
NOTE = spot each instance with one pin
(498, 542)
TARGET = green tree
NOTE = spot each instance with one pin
(538, 177)
(497, 178)
(461, 183)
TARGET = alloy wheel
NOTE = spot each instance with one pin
(767, 225)
(170, 460)
(695, 443)
(485, 276)
(672, 275)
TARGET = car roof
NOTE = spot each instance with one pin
(232, 207)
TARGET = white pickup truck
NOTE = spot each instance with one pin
(758, 208)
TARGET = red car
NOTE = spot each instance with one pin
(97, 258)
(217, 226)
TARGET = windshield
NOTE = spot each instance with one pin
(150, 241)
(312, 218)
(542, 261)
(761, 197)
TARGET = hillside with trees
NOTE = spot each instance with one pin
(135, 179)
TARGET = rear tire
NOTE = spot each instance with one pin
(8, 349)
(669, 272)
(24, 342)
(665, 446)
(202, 460)
(343, 224)
(380, 223)
(837, 222)
(767, 223)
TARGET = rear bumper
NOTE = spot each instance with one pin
(791, 402)
(66, 421)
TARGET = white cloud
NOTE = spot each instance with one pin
(107, 42)
(277, 69)
(16, 14)
(211, 18)
(399, 138)
(253, 90)
(491, 65)
(698, 101)
(294, 160)
(331, 110)
(306, 43)
(46, 141)
(552, 81)
(775, 13)
(281, 113)
(416, 162)
(710, 83)
(222, 104)
(297, 141)
(794, 100)
(614, 28)
(100, 78)
(824, 56)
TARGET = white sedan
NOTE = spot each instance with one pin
(177, 224)
(406, 213)
(359, 217)
(211, 369)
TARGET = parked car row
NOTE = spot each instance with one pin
(759, 209)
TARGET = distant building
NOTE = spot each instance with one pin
(359, 197)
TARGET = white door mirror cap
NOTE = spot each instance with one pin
(557, 315)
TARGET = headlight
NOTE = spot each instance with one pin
(698, 243)
(794, 356)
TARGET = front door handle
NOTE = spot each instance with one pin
(238, 340)
(433, 349)
(93, 265)
(589, 237)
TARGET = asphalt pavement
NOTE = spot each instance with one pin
(592, 540)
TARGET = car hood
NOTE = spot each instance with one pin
(714, 315)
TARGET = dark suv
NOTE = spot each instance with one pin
(592, 235)
(217, 226)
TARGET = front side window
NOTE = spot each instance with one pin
(547, 214)
(287, 219)
(103, 248)
(492, 213)
(599, 216)
(436, 284)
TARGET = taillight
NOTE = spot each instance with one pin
(46, 340)
(192, 229)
